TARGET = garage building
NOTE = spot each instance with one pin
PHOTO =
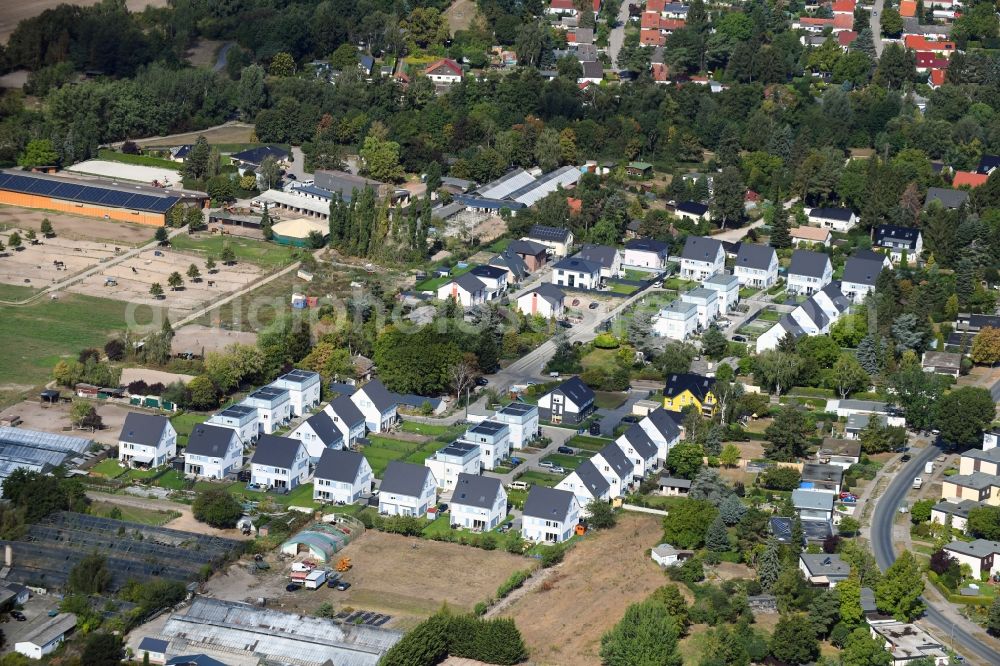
(89, 198)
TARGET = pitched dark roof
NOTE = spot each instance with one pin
(529, 247)
(324, 427)
(987, 163)
(640, 441)
(836, 295)
(346, 410)
(209, 440)
(574, 389)
(469, 283)
(897, 234)
(666, 422)
(549, 292)
(145, 429)
(692, 207)
(512, 261)
(404, 479)
(790, 326)
(808, 263)
(699, 248)
(679, 382)
(379, 395)
(149, 644)
(815, 313)
(617, 459)
(592, 69)
(339, 465)
(646, 245)
(598, 254)
(755, 256)
(548, 503)
(275, 451)
(258, 155)
(948, 197)
(577, 265)
(475, 490)
(863, 267)
(592, 478)
(492, 272)
(842, 214)
(552, 234)
(194, 660)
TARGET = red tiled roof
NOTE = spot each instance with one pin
(575, 205)
(445, 62)
(562, 4)
(649, 20)
(846, 37)
(843, 21)
(931, 61)
(921, 43)
(660, 72)
(655, 5)
(908, 8)
(651, 38)
(969, 178)
(671, 24)
(597, 6)
(937, 77)
(843, 6)
(812, 20)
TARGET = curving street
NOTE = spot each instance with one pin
(942, 617)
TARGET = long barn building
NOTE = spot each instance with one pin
(139, 204)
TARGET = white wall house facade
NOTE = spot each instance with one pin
(522, 419)
(242, 419)
(702, 258)
(146, 440)
(342, 477)
(478, 503)
(279, 462)
(303, 388)
(707, 302)
(377, 405)
(809, 272)
(677, 321)
(550, 515)
(407, 490)
(213, 452)
(727, 287)
(273, 405)
(449, 462)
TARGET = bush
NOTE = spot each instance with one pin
(515, 581)
(690, 571)
(217, 508)
(430, 642)
(553, 555)
(606, 341)
(781, 478)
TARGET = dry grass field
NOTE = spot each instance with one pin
(229, 133)
(460, 15)
(15, 11)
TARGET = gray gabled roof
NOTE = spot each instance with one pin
(699, 248)
(324, 427)
(474, 490)
(815, 313)
(379, 394)
(577, 265)
(646, 245)
(492, 272)
(666, 422)
(275, 451)
(618, 461)
(694, 208)
(864, 267)
(469, 283)
(549, 292)
(842, 214)
(592, 478)
(598, 254)
(755, 256)
(530, 247)
(946, 196)
(546, 233)
(674, 482)
(640, 441)
(156, 645)
(979, 548)
(574, 389)
(548, 503)
(145, 429)
(812, 499)
(790, 326)
(209, 440)
(346, 410)
(512, 261)
(404, 479)
(808, 263)
(836, 296)
(898, 234)
(339, 465)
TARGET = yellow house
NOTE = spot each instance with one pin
(684, 389)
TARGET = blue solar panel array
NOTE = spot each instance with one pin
(83, 193)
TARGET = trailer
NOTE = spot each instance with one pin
(315, 579)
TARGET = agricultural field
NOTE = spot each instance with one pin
(133, 514)
(230, 133)
(268, 255)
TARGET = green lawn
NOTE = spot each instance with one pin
(262, 253)
(133, 514)
(140, 160)
(609, 399)
(567, 462)
(747, 292)
(540, 478)
(588, 443)
(384, 450)
(16, 292)
(678, 284)
(633, 274)
(622, 289)
(429, 429)
(432, 284)
(769, 315)
(58, 328)
(440, 525)
(108, 468)
(185, 422)
(300, 496)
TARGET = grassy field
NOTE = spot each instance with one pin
(16, 292)
(429, 429)
(432, 284)
(622, 289)
(633, 274)
(540, 478)
(567, 462)
(269, 255)
(769, 315)
(384, 450)
(588, 443)
(139, 160)
(678, 284)
(184, 423)
(609, 399)
(57, 328)
(300, 496)
(108, 468)
(133, 514)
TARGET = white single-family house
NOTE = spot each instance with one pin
(813, 504)
(576, 273)
(756, 265)
(348, 419)
(570, 402)
(608, 258)
(587, 483)
(691, 210)
(318, 433)
(303, 389)
(897, 241)
(639, 448)
(823, 569)
(241, 418)
(702, 258)
(836, 219)
(557, 239)
(273, 405)
(549, 515)
(377, 405)
(616, 467)
(645, 253)
(677, 321)
(808, 272)
(279, 462)
(445, 71)
(981, 555)
(146, 440)
(493, 440)
(213, 452)
(478, 502)
(407, 490)
(494, 278)
(707, 302)
(728, 289)
(153, 649)
(861, 272)
(522, 419)
(342, 477)
(457, 458)
(663, 427)
(546, 300)
(810, 236)
(467, 290)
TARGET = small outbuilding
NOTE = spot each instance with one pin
(666, 555)
(47, 637)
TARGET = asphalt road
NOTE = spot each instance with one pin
(885, 554)
(617, 37)
(875, 22)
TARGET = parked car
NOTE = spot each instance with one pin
(293, 587)
(595, 429)
(576, 301)
(482, 381)
(442, 507)
(906, 457)
(565, 449)
(18, 615)
(593, 305)
(546, 463)
(343, 585)
(562, 323)
(630, 418)
(558, 470)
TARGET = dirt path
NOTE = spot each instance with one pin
(186, 522)
(563, 618)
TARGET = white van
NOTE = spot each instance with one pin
(917, 482)
(929, 468)
(519, 485)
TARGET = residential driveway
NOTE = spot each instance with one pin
(875, 23)
(298, 166)
(559, 436)
(612, 417)
(739, 233)
(617, 37)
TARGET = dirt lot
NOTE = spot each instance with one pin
(15, 11)
(202, 54)
(228, 133)
(600, 578)
(137, 274)
(198, 339)
(132, 172)
(34, 263)
(460, 15)
(389, 576)
(76, 227)
(37, 416)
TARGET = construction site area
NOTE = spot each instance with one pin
(48, 552)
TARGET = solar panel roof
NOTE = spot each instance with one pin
(92, 194)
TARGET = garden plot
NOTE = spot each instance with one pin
(133, 278)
